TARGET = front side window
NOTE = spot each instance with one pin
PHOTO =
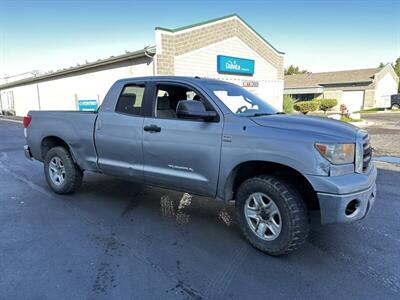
(168, 96)
(131, 99)
(240, 101)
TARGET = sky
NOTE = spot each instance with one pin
(315, 35)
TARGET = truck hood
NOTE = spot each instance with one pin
(310, 124)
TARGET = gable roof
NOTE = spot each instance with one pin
(326, 78)
(215, 20)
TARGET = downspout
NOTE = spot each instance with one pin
(1, 105)
(38, 95)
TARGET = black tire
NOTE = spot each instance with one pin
(73, 174)
(293, 214)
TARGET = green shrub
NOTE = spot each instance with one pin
(288, 103)
(306, 106)
(327, 104)
(348, 120)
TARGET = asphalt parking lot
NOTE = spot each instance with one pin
(119, 240)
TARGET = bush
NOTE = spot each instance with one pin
(327, 104)
(306, 106)
(288, 103)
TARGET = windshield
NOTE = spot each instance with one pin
(240, 101)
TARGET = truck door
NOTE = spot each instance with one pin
(119, 132)
(180, 153)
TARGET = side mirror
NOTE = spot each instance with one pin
(190, 109)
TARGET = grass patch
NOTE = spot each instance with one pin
(348, 120)
(370, 110)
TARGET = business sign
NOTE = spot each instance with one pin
(87, 105)
(235, 65)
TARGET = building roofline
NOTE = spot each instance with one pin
(328, 84)
(102, 62)
(215, 20)
(196, 24)
(346, 82)
(328, 72)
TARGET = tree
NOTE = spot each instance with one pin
(381, 65)
(291, 70)
(397, 70)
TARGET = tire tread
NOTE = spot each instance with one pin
(297, 210)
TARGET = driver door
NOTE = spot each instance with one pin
(181, 154)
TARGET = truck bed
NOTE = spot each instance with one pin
(75, 128)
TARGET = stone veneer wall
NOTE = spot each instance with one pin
(174, 44)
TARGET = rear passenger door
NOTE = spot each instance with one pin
(181, 154)
(119, 132)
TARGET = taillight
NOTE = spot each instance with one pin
(26, 121)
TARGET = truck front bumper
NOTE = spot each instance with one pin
(347, 198)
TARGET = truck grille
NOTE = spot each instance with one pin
(367, 152)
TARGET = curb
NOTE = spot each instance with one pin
(11, 119)
(388, 112)
(362, 124)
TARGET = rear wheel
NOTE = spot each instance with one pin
(62, 174)
(272, 215)
(395, 106)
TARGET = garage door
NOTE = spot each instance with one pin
(353, 99)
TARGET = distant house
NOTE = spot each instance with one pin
(366, 88)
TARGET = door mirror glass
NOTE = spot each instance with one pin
(192, 109)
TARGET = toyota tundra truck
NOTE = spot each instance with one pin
(215, 139)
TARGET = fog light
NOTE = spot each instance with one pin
(352, 208)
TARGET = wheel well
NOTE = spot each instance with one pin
(251, 169)
(51, 142)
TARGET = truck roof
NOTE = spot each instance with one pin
(190, 79)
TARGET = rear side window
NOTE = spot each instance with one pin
(130, 101)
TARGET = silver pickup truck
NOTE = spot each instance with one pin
(214, 139)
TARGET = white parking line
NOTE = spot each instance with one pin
(10, 120)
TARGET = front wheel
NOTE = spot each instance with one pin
(62, 174)
(272, 215)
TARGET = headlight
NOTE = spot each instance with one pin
(337, 154)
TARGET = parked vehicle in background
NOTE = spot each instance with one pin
(214, 139)
(395, 101)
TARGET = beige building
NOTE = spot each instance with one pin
(226, 48)
(357, 89)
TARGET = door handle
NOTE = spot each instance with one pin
(152, 128)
